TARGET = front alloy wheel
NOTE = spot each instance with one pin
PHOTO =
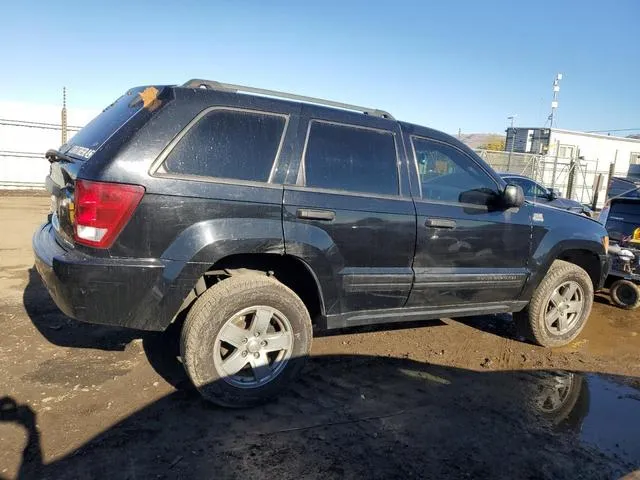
(559, 307)
(564, 308)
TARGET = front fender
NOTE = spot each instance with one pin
(550, 242)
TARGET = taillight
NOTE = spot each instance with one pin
(102, 210)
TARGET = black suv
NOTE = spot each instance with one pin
(258, 214)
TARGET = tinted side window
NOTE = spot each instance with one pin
(340, 157)
(448, 175)
(229, 144)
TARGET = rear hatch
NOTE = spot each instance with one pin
(134, 107)
(621, 217)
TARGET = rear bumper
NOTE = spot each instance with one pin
(133, 293)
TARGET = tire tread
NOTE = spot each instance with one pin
(201, 321)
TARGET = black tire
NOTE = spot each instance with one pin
(532, 319)
(209, 314)
(625, 294)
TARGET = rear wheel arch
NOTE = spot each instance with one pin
(289, 270)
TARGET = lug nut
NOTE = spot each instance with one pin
(245, 340)
(257, 334)
(244, 353)
(256, 355)
(263, 343)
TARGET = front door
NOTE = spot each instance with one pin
(348, 216)
(469, 250)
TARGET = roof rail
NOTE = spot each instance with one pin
(227, 87)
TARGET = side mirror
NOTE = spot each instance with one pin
(512, 196)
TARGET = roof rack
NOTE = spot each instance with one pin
(227, 87)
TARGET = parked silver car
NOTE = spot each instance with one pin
(535, 192)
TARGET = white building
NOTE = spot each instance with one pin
(597, 149)
(577, 163)
(27, 131)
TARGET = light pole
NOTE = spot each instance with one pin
(512, 131)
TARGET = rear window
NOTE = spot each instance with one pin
(95, 133)
(620, 187)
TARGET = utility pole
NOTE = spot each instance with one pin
(511, 131)
(64, 115)
(554, 102)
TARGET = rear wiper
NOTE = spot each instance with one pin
(55, 156)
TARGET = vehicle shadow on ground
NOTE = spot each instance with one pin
(347, 416)
(60, 330)
(353, 417)
(603, 298)
(501, 324)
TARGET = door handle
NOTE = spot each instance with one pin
(440, 223)
(311, 214)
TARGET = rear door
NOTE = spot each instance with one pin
(349, 214)
(468, 249)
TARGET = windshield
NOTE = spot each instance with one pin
(84, 144)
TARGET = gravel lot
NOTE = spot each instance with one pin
(452, 398)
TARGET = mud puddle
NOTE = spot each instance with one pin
(612, 418)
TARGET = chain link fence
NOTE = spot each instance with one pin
(579, 179)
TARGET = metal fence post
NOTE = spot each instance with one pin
(571, 176)
(597, 185)
(555, 164)
(612, 173)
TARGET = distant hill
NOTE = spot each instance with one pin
(475, 140)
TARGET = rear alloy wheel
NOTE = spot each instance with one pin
(625, 294)
(253, 346)
(245, 339)
(560, 306)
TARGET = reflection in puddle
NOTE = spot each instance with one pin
(601, 411)
(613, 421)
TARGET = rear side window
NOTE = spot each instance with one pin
(341, 157)
(231, 144)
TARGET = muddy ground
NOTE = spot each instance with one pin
(452, 398)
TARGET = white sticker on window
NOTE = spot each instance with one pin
(83, 152)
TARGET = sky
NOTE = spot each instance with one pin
(452, 65)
